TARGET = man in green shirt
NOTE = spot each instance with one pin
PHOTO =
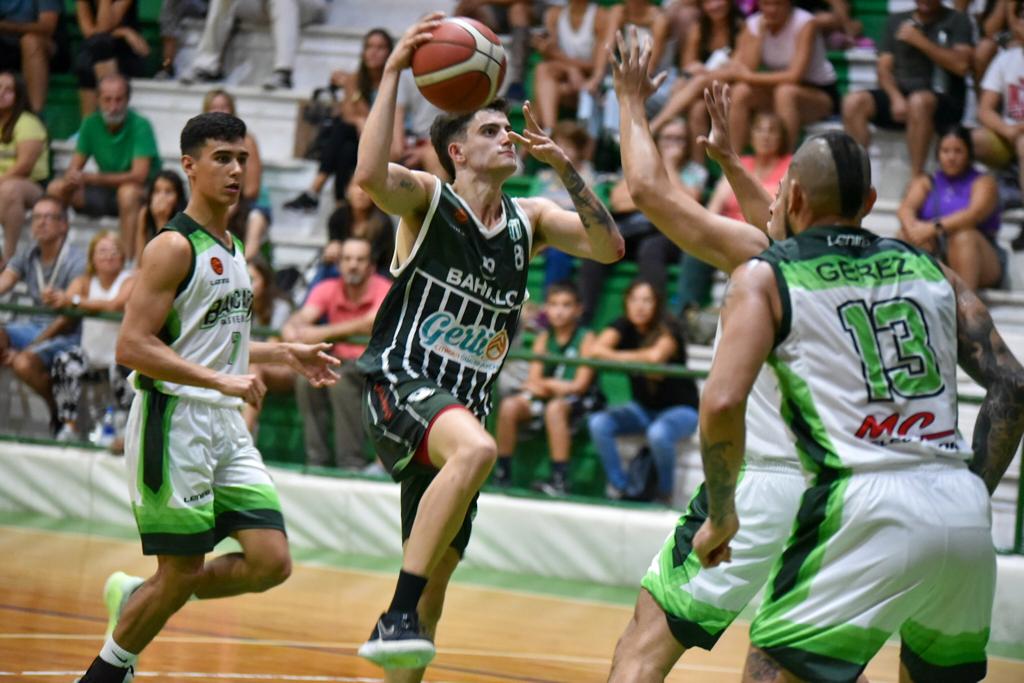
(123, 144)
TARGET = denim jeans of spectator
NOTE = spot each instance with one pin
(662, 428)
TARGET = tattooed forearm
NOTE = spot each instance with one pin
(721, 470)
(761, 667)
(592, 212)
(986, 358)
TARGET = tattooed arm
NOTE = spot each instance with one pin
(983, 354)
(749, 319)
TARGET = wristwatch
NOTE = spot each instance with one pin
(76, 300)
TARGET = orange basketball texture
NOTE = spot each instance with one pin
(462, 66)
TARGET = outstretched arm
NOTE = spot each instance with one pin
(590, 231)
(983, 354)
(722, 242)
(395, 189)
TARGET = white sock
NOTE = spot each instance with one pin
(115, 655)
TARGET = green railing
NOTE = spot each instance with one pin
(668, 370)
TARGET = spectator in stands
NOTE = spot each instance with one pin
(27, 43)
(124, 147)
(103, 288)
(172, 14)
(46, 268)
(286, 18)
(954, 213)
(358, 216)
(999, 140)
(349, 303)
(250, 218)
(113, 45)
(270, 309)
(555, 397)
(781, 66)
(166, 199)
(922, 61)
(662, 408)
(569, 44)
(769, 164)
(506, 17)
(579, 148)
(338, 154)
(994, 33)
(834, 22)
(24, 160)
(651, 249)
(706, 58)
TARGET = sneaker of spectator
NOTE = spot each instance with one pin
(24, 160)
(112, 44)
(28, 43)
(781, 66)
(999, 140)
(172, 14)
(124, 147)
(286, 19)
(923, 59)
(30, 344)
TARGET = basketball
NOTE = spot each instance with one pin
(462, 66)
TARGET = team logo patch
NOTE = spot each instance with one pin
(496, 348)
(421, 395)
(461, 216)
(217, 266)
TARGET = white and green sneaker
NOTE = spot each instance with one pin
(116, 591)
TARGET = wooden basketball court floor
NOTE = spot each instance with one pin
(52, 619)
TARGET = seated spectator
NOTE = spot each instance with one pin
(24, 160)
(341, 140)
(359, 217)
(113, 45)
(579, 148)
(923, 58)
(123, 144)
(349, 304)
(172, 14)
(652, 250)
(706, 58)
(269, 309)
(29, 347)
(569, 44)
(769, 164)
(555, 397)
(999, 140)
(166, 199)
(250, 217)
(781, 66)
(103, 288)
(834, 22)
(662, 408)
(954, 214)
(506, 17)
(28, 30)
(286, 18)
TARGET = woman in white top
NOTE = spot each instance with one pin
(104, 288)
(782, 67)
(573, 34)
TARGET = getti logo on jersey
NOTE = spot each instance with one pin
(476, 346)
(233, 307)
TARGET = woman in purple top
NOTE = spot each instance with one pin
(954, 213)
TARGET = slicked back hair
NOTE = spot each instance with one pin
(449, 126)
(211, 126)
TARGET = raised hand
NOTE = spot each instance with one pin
(717, 142)
(631, 68)
(416, 35)
(538, 143)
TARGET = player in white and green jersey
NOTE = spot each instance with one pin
(684, 604)
(442, 334)
(195, 476)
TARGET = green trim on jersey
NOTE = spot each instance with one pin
(244, 498)
(943, 649)
(846, 642)
(813, 444)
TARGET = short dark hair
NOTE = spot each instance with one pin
(61, 206)
(448, 126)
(562, 287)
(211, 126)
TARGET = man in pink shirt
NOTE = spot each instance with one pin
(349, 304)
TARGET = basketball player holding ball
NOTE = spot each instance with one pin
(441, 336)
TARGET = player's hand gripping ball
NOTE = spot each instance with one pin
(461, 67)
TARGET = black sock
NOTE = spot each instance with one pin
(559, 471)
(503, 468)
(103, 672)
(407, 592)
